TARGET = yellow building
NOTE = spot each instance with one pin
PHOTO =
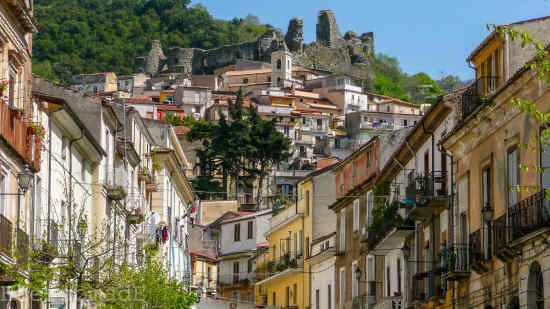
(282, 274)
(205, 272)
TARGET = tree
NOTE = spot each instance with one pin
(270, 146)
(241, 147)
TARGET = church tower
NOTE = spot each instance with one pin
(281, 67)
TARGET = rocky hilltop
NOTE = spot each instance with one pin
(331, 51)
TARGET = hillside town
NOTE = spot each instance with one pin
(379, 203)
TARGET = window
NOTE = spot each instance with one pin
(354, 282)
(274, 299)
(486, 183)
(399, 275)
(237, 232)
(342, 286)
(249, 266)
(388, 108)
(278, 63)
(388, 278)
(287, 130)
(209, 273)
(356, 215)
(294, 294)
(329, 297)
(250, 229)
(317, 298)
(368, 157)
(295, 249)
(235, 272)
(513, 173)
(287, 294)
(307, 246)
(307, 201)
(343, 230)
(301, 243)
(3, 188)
(426, 163)
(245, 81)
(405, 122)
(370, 275)
(370, 206)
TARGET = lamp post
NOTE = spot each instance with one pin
(24, 179)
(487, 213)
(406, 251)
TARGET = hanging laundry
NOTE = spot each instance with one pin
(165, 234)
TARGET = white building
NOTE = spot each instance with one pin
(322, 264)
(239, 238)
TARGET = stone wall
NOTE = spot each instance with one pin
(328, 32)
(294, 37)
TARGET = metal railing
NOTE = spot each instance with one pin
(500, 231)
(432, 185)
(359, 302)
(5, 235)
(476, 94)
(455, 259)
(529, 215)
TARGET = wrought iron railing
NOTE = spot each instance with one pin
(500, 231)
(455, 259)
(476, 94)
(359, 302)
(476, 248)
(5, 235)
(371, 288)
(426, 186)
(529, 215)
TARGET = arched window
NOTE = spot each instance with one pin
(535, 287)
(307, 202)
(278, 63)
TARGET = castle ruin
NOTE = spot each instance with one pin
(188, 61)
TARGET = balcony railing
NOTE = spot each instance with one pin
(529, 215)
(278, 265)
(5, 235)
(371, 288)
(14, 131)
(359, 302)
(433, 185)
(116, 182)
(455, 262)
(427, 285)
(476, 94)
(479, 252)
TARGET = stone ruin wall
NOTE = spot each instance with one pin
(330, 47)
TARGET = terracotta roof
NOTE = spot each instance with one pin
(193, 252)
(326, 162)
(247, 72)
(167, 107)
(262, 244)
(138, 100)
(204, 80)
(323, 106)
(493, 34)
(180, 130)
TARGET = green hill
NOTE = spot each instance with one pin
(84, 36)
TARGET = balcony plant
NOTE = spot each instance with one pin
(385, 218)
(38, 131)
(3, 85)
(270, 266)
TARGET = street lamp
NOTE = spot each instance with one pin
(406, 252)
(358, 273)
(487, 212)
(25, 179)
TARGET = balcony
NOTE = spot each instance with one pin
(455, 263)
(279, 268)
(393, 302)
(477, 94)
(5, 235)
(426, 286)
(479, 255)
(18, 136)
(116, 183)
(503, 251)
(151, 183)
(230, 281)
(359, 302)
(427, 194)
(529, 218)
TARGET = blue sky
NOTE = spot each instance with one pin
(431, 36)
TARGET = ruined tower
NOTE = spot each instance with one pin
(294, 37)
(327, 29)
(281, 67)
(155, 59)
